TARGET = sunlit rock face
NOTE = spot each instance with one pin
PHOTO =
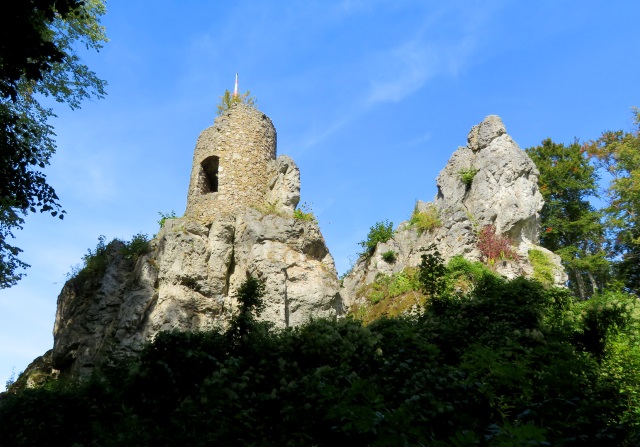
(188, 281)
(490, 181)
(238, 223)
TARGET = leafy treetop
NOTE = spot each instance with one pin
(572, 228)
(380, 232)
(618, 154)
(42, 61)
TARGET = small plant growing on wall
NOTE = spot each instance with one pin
(467, 175)
(494, 246)
(304, 212)
(426, 220)
(165, 216)
(389, 256)
(228, 99)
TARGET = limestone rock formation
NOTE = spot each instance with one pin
(239, 222)
(284, 185)
(188, 281)
(491, 181)
(38, 373)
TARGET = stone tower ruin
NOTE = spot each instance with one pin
(231, 163)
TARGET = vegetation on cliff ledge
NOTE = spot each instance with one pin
(483, 362)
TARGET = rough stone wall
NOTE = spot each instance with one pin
(244, 140)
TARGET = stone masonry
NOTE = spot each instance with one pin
(231, 164)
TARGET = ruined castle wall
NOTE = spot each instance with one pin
(230, 163)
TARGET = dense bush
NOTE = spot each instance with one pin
(494, 246)
(389, 256)
(380, 232)
(94, 262)
(543, 267)
(506, 363)
(467, 175)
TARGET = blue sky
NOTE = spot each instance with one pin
(369, 97)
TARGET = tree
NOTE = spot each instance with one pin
(42, 62)
(250, 305)
(618, 154)
(379, 233)
(228, 99)
(33, 53)
(571, 227)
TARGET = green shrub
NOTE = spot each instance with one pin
(94, 262)
(304, 212)
(165, 216)
(464, 275)
(136, 247)
(467, 175)
(432, 272)
(389, 256)
(251, 304)
(379, 233)
(542, 267)
(603, 317)
(228, 99)
(426, 220)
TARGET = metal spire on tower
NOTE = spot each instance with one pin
(235, 90)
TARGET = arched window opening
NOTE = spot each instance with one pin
(209, 174)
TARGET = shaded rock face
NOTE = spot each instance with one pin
(188, 281)
(38, 373)
(503, 192)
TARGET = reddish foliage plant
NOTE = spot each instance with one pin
(494, 246)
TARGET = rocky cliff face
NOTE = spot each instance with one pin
(490, 181)
(188, 281)
(188, 278)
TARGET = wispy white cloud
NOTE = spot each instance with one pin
(412, 65)
(408, 67)
(420, 139)
(315, 138)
